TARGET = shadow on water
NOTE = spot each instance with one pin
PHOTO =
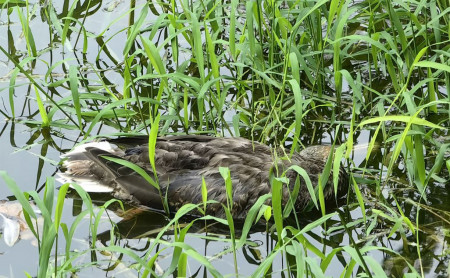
(143, 225)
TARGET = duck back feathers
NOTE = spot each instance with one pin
(182, 161)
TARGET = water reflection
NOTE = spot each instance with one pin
(30, 151)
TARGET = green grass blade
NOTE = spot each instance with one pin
(308, 182)
(338, 155)
(152, 142)
(400, 118)
(225, 173)
(277, 189)
(73, 80)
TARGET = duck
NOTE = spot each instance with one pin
(183, 163)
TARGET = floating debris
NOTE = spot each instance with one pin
(12, 222)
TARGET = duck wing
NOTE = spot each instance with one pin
(182, 162)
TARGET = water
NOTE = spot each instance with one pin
(30, 154)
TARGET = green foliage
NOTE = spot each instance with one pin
(288, 73)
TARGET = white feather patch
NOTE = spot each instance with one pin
(106, 146)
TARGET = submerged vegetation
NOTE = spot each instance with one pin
(372, 74)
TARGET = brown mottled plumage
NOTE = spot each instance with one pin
(182, 161)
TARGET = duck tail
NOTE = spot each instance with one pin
(81, 167)
(88, 167)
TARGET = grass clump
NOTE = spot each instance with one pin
(286, 73)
